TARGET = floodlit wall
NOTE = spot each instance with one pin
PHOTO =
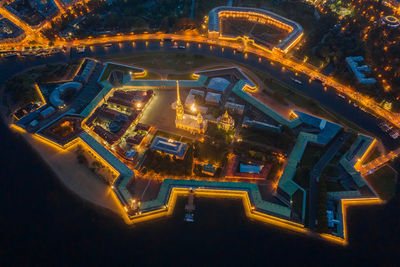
(295, 31)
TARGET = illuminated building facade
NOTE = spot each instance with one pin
(226, 122)
(187, 122)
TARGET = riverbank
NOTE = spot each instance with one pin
(74, 176)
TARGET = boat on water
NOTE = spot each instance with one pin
(28, 53)
(296, 80)
(394, 134)
(385, 127)
(341, 96)
(189, 217)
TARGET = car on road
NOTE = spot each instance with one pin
(80, 49)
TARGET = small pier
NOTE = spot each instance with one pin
(190, 207)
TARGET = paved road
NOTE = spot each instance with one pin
(316, 173)
(315, 90)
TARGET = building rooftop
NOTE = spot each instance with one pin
(190, 99)
(359, 71)
(351, 157)
(328, 129)
(218, 84)
(169, 146)
(246, 168)
(200, 82)
(208, 168)
(213, 98)
(55, 96)
(191, 122)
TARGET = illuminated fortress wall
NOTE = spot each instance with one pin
(295, 31)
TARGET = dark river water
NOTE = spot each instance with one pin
(42, 223)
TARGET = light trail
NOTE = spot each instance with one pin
(30, 33)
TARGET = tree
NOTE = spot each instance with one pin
(81, 159)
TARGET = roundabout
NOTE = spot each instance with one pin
(391, 21)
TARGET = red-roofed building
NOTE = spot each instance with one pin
(110, 138)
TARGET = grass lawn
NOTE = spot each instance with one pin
(334, 186)
(184, 76)
(110, 67)
(384, 182)
(178, 61)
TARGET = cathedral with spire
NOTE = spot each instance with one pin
(191, 123)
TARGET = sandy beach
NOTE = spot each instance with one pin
(76, 177)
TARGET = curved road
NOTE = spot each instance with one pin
(315, 90)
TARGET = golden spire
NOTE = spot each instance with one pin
(179, 108)
(199, 118)
(226, 114)
(178, 98)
